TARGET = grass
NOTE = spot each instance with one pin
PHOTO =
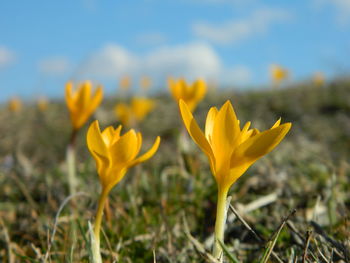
(291, 206)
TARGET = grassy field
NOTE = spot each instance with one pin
(297, 198)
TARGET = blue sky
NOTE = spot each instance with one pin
(45, 43)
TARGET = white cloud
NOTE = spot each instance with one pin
(238, 30)
(7, 57)
(54, 66)
(151, 39)
(193, 60)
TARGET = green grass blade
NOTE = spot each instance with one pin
(230, 256)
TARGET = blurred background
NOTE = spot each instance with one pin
(230, 43)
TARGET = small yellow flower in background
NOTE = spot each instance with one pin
(82, 103)
(141, 107)
(15, 104)
(136, 112)
(42, 104)
(318, 79)
(145, 83)
(230, 150)
(114, 155)
(278, 74)
(125, 83)
(124, 113)
(191, 94)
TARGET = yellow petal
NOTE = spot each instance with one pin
(96, 99)
(196, 133)
(98, 149)
(246, 126)
(225, 133)
(124, 150)
(69, 95)
(173, 88)
(111, 135)
(200, 89)
(277, 123)
(83, 96)
(259, 145)
(95, 141)
(139, 142)
(148, 154)
(209, 123)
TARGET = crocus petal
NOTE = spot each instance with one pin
(245, 133)
(171, 85)
(148, 154)
(246, 126)
(225, 133)
(123, 151)
(108, 135)
(259, 145)
(209, 123)
(200, 89)
(69, 95)
(94, 139)
(194, 130)
(96, 99)
(277, 123)
(84, 95)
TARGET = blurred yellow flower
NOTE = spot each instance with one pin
(191, 94)
(141, 107)
(81, 103)
(136, 112)
(124, 113)
(15, 104)
(42, 104)
(125, 83)
(145, 83)
(230, 150)
(318, 79)
(114, 155)
(278, 73)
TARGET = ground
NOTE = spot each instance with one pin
(296, 199)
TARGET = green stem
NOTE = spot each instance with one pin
(220, 222)
(70, 155)
(97, 226)
(72, 181)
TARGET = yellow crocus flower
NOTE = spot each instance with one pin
(114, 155)
(125, 83)
(318, 79)
(191, 94)
(135, 112)
(141, 107)
(124, 113)
(15, 104)
(230, 150)
(145, 83)
(81, 103)
(42, 104)
(278, 74)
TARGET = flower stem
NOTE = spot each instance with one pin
(97, 226)
(70, 155)
(71, 169)
(221, 212)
